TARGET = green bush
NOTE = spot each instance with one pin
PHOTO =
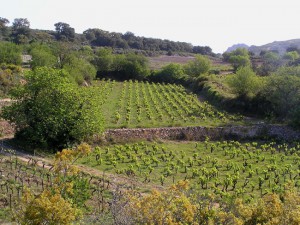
(51, 111)
(245, 83)
(10, 53)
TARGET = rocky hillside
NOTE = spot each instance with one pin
(279, 46)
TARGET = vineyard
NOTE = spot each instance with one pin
(105, 179)
(142, 104)
(244, 170)
(19, 173)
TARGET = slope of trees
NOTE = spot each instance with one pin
(21, 33)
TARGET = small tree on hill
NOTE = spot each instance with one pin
(239, 58)
(244, 83)
(200, 65)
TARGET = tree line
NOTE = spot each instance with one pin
(270, 89)
(21, 33)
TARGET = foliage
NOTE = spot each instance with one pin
(101, 38)
(51, 111)
(244, 83)
(292, 56)
(21, 30)
(270, 209)
(45, 208)
(200, 65)
(239, 58)
(168, 207)
(3, 28)
(103, 59)
(62, 202)
(169, 73)
(80, 69)
(271, 62)
(42, 55)
(178, 205)
(134, 67)
(9, 77)
(203, 50)
(283, 90)
(10, 53)
(64, 32)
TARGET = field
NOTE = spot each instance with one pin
(141, 104)
(247, 170)
(161, 61)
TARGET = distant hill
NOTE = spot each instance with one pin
(278, 46)
(234, 47)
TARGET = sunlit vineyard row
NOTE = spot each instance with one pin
(227, 167)
(143, 104)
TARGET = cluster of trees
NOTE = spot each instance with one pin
(183, 74)
(61, 55)
(20, 33)
(134, 66)
(97, 37)
(274, 87)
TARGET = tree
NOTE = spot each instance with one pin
(42, 55)
(291, 56)
(64, 32)
(3, 22)
(3, 28)
(80, 70)
(244, 83)
(103, 60)
(271, 62)
(283, 90)
(169, 73)
(203, 50)
(10, 53)
(51, 111)
(21, 30)
(200, 65)
(133, 67)
(239, 58)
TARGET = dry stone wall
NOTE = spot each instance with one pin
(200, 133)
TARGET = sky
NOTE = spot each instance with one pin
(215, 23)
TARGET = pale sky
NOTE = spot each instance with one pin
(216, 23)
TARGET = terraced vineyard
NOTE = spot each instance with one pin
(143, 104)
(228, 167)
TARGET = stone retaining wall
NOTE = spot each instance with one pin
(200, 133)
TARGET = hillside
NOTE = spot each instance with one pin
(234, 47)
(279, 46)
